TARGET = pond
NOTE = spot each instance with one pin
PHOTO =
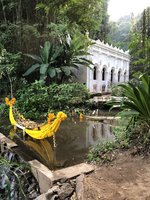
(73, 140)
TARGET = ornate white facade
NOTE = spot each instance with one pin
(111, 66)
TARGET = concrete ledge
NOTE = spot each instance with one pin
(46, 177)
(73, 171)
(10, 143)
(80, 187)
(101, 118)
(43, 175)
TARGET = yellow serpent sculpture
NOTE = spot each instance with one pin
(40, 132)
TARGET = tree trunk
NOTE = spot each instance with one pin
(4, 14)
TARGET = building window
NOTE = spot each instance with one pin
(119, 73)
(112, 76)
(103, 74)
(125, 76)
(95, 73)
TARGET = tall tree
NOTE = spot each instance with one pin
(140, 44)
(104, 28)
(119, 34)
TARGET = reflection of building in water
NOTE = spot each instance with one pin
(96, 130)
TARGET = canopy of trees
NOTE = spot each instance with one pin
(140, 44)
(119, 34)
(25, 26)
(25, 23)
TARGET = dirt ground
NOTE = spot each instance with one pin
(126, 178)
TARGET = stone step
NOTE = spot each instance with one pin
(46, 178)
(4, 139)
(73, 171)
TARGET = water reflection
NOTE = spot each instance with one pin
(73, 140)
(43, 150)
(96, 131)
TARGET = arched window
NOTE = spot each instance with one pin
(119, 73)
(125, 73)
(103, 74)
(112, 76)
(95, 73)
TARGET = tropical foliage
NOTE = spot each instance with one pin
(27, 24)
(9, 62)
(45, 62)
(136, 108)
(136, 102)
(140, 44)
(34, 100)
(59, 62)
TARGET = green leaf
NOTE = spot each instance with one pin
(34, 57)
(52, 72)
(138, 97)
(66, 70)
(57, 53)
(58, 70)
(31, 69)
(43, 69)
(45, 51)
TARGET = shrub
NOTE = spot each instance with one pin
(35, 100)
(117, 91)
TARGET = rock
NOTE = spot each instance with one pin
(41, 197)
(55, 197)
(49, 196)
(32, 186)
(63, 180)
(59, 184)
(33, 195)
(74, 197)
(73, 182)
(51, 192)
(65, 191)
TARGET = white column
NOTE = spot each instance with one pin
(91, 80)
(99, 79)
(88, 79)
(106, 80)
(115, 75)
(127, 76)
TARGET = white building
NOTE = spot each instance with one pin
(111, 66)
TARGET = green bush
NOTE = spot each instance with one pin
(65, 95)
(117, 91)
(9, 63)
(34, 101)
